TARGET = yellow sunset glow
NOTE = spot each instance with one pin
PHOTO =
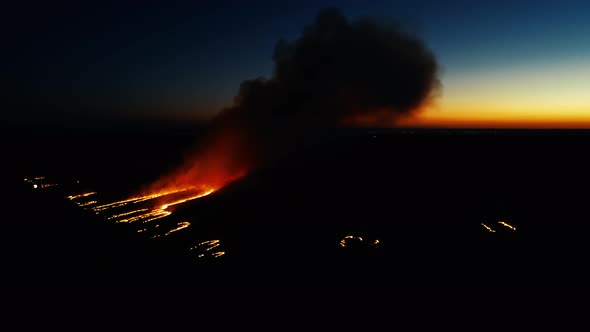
(533, 96)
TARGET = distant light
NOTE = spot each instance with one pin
(35, 186)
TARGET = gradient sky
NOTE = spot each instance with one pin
(504, 63)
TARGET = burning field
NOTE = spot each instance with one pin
(307, 220)
(151, 215)
(337, 73)
(289, 185)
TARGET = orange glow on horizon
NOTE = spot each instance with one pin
(532, 95)
(480, 117)
(453, 114)
(497, 118)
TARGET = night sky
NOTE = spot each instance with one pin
(504, 63)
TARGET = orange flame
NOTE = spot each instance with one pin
(222, 158)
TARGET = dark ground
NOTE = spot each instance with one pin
(422, 193)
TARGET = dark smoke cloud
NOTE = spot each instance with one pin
(336, 71)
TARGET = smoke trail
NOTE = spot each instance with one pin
(338, 72)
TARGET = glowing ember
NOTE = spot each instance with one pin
(344, 242)
(144, 198)
(179, 226)
(507, 225)
(208, 192)
(147, 217)
(37, 183)
(351, 241)
(116, 204)
(163, 193)
(73, 197)
(488, 228)
(126, 214)
(205, 248)
(208, 245)
(156, 214)
(87, 203)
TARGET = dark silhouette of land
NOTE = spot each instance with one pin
(423, 194)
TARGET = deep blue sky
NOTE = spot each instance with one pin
(159, 57)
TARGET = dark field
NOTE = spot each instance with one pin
(417, 198)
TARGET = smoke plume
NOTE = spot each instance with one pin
(336, 73)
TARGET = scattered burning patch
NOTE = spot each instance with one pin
(144, 210)
(40, 182)
(209, 248)
(151, 215)
(351, 241)
(506, 226)
(126, 211)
